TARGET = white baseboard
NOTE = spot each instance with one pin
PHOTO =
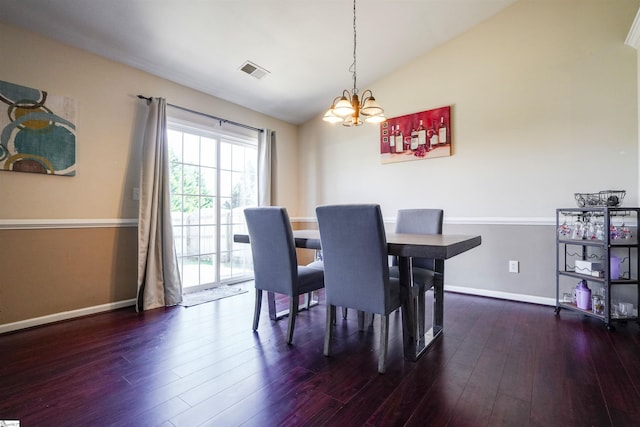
(502, 295)
(65, 315)
(37, 321)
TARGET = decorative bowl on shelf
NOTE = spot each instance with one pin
(606, 198)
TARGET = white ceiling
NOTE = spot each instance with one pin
(307, 45)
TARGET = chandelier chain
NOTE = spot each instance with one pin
(348, 107)
(353, 66)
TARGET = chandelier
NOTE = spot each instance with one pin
(348, 107)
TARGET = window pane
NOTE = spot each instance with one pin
(191, 214)
(191, 179)
(208, 182)
(208, 210)
(225, 155)
(175, 181)
(225, 184)
(226, 238)
(241, 263)
(237, 159)
(225, 266)
(191, 240)
(225, 211)
(238, 189)
(207, 269)
(251, 161)
(176, 210)
(175, 145)
(191, 149)
(208, 152)
(208, 239)
(190, 271)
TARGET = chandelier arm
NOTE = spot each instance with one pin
(365, 96)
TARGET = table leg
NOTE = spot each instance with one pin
(409, 308)
(416, 340)
(438, 298)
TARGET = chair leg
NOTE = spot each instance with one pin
(293, 312)
(384, 341)
(331, 313)
(364, 319)
(361, 315)
(258, 307)
(344, 313)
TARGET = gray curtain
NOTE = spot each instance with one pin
(266, 159)
(158, 277)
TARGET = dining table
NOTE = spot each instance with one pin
(440, 247)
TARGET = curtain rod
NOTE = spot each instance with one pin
(220, 119)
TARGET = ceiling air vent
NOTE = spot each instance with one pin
(254, 70)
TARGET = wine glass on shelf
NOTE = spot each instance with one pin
(577, 232)
(600, 230)
(564, 230)
(590, 230)
(624, 232)
(614, 231)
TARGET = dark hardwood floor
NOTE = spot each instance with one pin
(499, 363)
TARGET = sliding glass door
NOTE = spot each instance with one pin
(213, 178)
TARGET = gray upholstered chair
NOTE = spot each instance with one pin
(419, 221)
(356, 267)
(275, 263)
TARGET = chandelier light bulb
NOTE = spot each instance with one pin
(343, 108)
(332, 118)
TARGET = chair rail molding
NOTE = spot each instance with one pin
(31, 224)
(468, 220)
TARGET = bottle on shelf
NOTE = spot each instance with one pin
(442, 132)
(583, 295)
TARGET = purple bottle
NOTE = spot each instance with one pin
(583, 295)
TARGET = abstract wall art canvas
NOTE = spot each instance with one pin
(37, 131)
(417, 136)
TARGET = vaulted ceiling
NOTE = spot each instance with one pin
(305, 45)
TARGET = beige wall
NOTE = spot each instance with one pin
(110, 122)
(46, 271)
(543, 100)
(59, 270)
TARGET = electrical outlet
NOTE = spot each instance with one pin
(514, 266)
